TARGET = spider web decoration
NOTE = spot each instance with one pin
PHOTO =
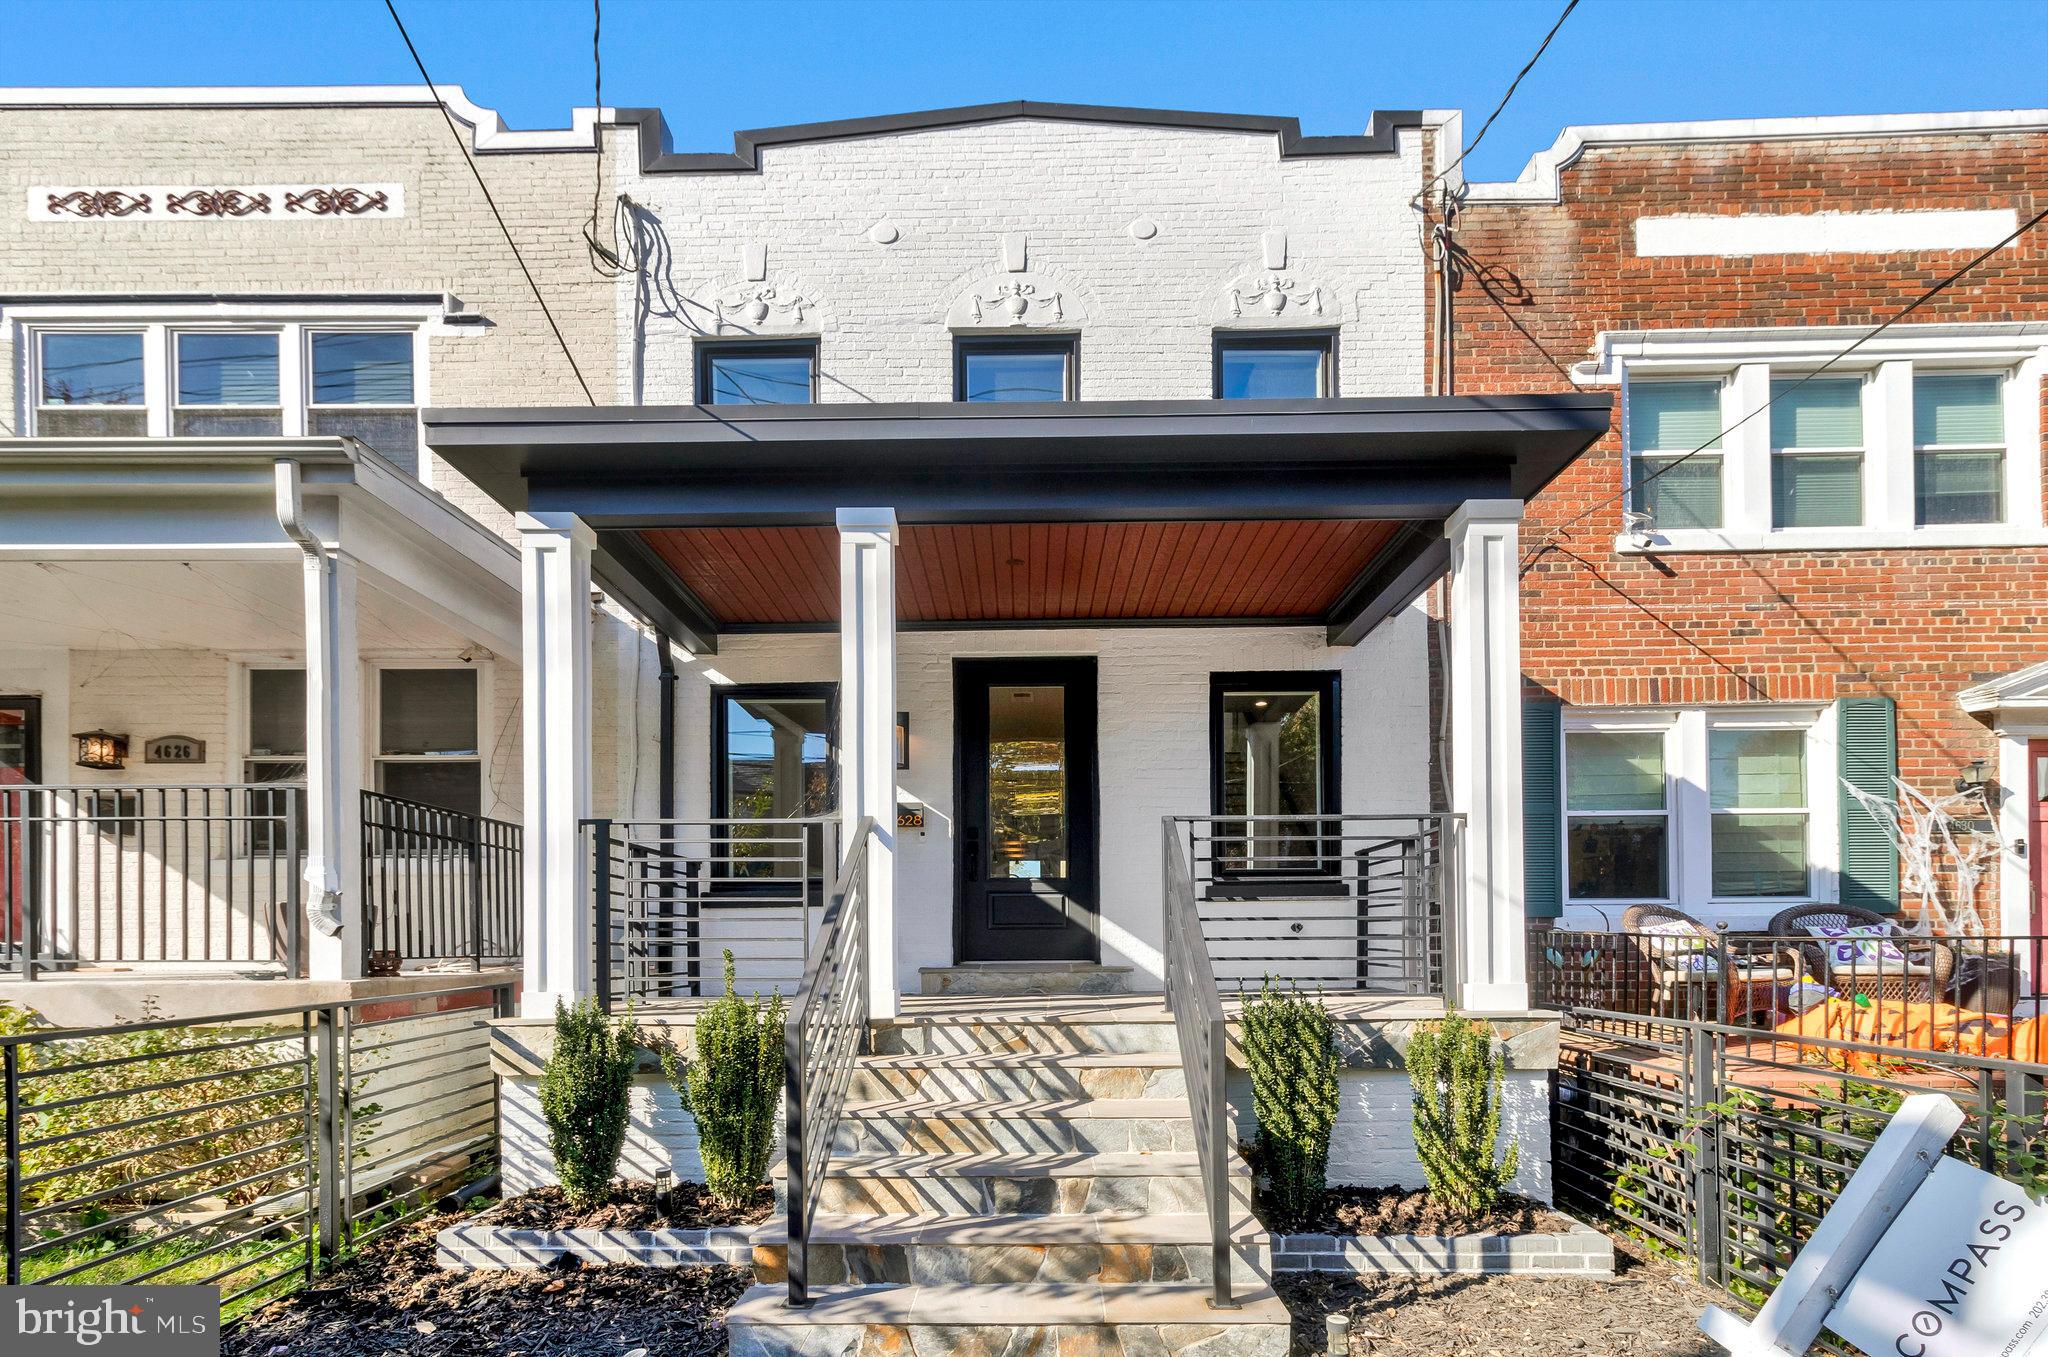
(1928, 828)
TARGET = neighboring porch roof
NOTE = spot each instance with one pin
(2022, 692)
(711, 514)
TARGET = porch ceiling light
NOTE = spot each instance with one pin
(902, 741)
(101, 749)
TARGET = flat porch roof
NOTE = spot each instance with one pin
(1329, 512)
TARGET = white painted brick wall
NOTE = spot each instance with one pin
(659, 1134)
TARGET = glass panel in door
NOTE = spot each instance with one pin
(1027, 783)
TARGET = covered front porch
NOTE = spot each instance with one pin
(1018, 679)
(249, 693)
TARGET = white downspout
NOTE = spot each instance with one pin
(323, 717)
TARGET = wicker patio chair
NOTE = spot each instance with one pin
(1922, 977)
(1684, 987)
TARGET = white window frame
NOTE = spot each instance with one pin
(1689, 803)
(373, 724)
(174, 340)
(1620, 723)
(2004, 379)
(1865, 492)
(1745, 361)
(243, 710)
(159, 324)
(1632, 456)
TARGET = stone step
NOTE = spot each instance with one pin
(1133, 1074)
(1037, 1319)
(1164, 1183)
(1025, 978)
(1001, 1125)
(930, 1249)
(1057, 1030)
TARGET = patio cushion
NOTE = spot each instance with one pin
(1863, 948)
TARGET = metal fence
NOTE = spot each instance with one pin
(1343, 902)
(1198, 1021)
(245, 1150)
(142, 874)
(670, 896)
(438, 885)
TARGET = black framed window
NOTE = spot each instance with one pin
(754, 373)
(773, 747)
(1275, 366)
(1015, 369)
(1273, 752)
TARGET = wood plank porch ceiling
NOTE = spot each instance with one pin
(1020, 572)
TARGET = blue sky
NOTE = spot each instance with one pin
(717, 65)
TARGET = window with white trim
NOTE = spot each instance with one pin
(203, 378)
(1958, 447)
(275, 751)
(1816, 452)
(1726, 813)
(428, 749)
(1674, 443)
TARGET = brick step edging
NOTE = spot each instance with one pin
(1580, 1252)
(473, 1248)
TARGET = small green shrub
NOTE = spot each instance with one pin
(1457, 1079)
(583, 1093)
(732, 1088)
(1292, 1058)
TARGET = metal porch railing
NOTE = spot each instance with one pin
(438, 885)
(1197, 1008)
(134, 875)
(826, 1029)
(1338, 902)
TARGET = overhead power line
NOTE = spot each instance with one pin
(1779, 394)
(462, 145)
(1513, 85)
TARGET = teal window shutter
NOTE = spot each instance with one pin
(1869, 737)
(1542, 808)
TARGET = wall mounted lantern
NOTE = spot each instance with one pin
(101, 749)
(902, 741)
(1976, 776)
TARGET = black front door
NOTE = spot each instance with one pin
(1025, 871)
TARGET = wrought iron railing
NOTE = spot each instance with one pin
(669, 896)
(826, 1029)
(243, 1150)
(438, 885)
(135, 875)
(1197, 1008)
(1341, 902)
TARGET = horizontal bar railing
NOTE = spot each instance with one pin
(1197, 1008)
(243, 1150)
(826, 1028)
(133, 875)
(438, 885)
(669, 896)
(1340, 902)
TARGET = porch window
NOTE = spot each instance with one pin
(753, 373)
(773, 762)
(1617, 815)
(1675, 483)
(1756, 780)
(1958, 448)
(1275, 367)
(90, 385)
(1817, 453)
(1274, 760)
(276, 752)
(227, 385)
(362, 387)
(1035, 369)
(427, 746)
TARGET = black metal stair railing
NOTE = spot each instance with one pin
(826, 1029)
(1197, 1008)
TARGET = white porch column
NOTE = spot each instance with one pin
(554, 559)
(1486, 935)
(333, 926)
(867, 721)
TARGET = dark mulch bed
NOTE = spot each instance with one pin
(392, 1299)
(1399, 1210)
(1650, 1310)
(631, 1206)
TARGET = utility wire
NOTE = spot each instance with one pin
(1777, 395)
(605, 259)
(463, 146)
(1515, 84)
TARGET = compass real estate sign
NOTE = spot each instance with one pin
(1922, 1256)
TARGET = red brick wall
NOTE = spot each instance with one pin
(1603, 628)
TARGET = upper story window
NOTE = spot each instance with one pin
(206, 379)
(1674, 442)
(1275, 367)
(1035, 369)
(1958, 448)
(1816, 452)
(753, 373)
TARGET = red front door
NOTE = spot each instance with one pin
(2037, 832)
(20, 748)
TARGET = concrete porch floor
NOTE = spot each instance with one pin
(107, 996)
